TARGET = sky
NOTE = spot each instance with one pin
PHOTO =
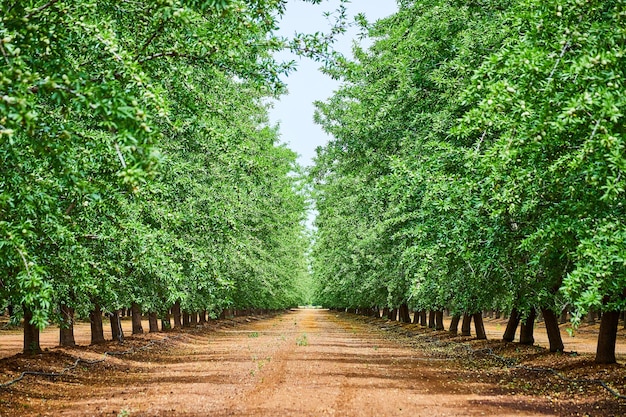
(294, 112)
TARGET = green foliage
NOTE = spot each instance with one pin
(395, 221)
(138, 162)
(477, 161)
(302, 340)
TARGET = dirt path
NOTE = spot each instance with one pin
(305, 363)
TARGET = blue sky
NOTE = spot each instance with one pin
(294, 112)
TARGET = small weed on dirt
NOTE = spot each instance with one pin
(302, 340)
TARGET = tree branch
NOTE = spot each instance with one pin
(41, 8)
(152, 38)
(70, 208)
(4, 53)
(558, 61)
(170, 54)
(10, 8)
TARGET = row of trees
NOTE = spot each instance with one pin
(478, 163)
(138, 164)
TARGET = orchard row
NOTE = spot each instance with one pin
(138, 164)
(479, 163)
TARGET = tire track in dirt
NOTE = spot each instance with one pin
(346, 369)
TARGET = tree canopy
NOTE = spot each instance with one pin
(138, 162)
(477, 161)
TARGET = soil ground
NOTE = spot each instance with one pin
(309, 363)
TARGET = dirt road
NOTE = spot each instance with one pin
(303, 363)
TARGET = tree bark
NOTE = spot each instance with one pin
(117, 332)
(605, 351)
(153, 322)
(66, 327)
(177, 315)
(385, 312)
(439, 320)
(393, 314)
(31, 334)
(186, 319)
(136, 318)
(97, 330)
(466, 326)
(423, 318)
(454, 324)
(416, 317)
(526, 334)
(405, 315)
(479, 326)
(166, 322)
(552, 328)
(202, 318)
(431, 319)
(511, 326)
(193, 319)
(591, 317)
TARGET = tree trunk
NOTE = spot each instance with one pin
(479, 326)
(416, 317)
(193, 319)
(385, 312)
(466, 326)
(97, 330)
(393, 314)
(66, 327)
(439, 320)
(166, 322)
(31, 334)
(202, 318)
(591, 317)
(605, 351)
(431, 319)
(153, 322)
(116, 326)
(177, 315)
(526, 334)
(136, 318)
(454, 324)
(563, 316)
(511, 326)
(405, 315)
(498, 314)
(552, 328)
(423, 318)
